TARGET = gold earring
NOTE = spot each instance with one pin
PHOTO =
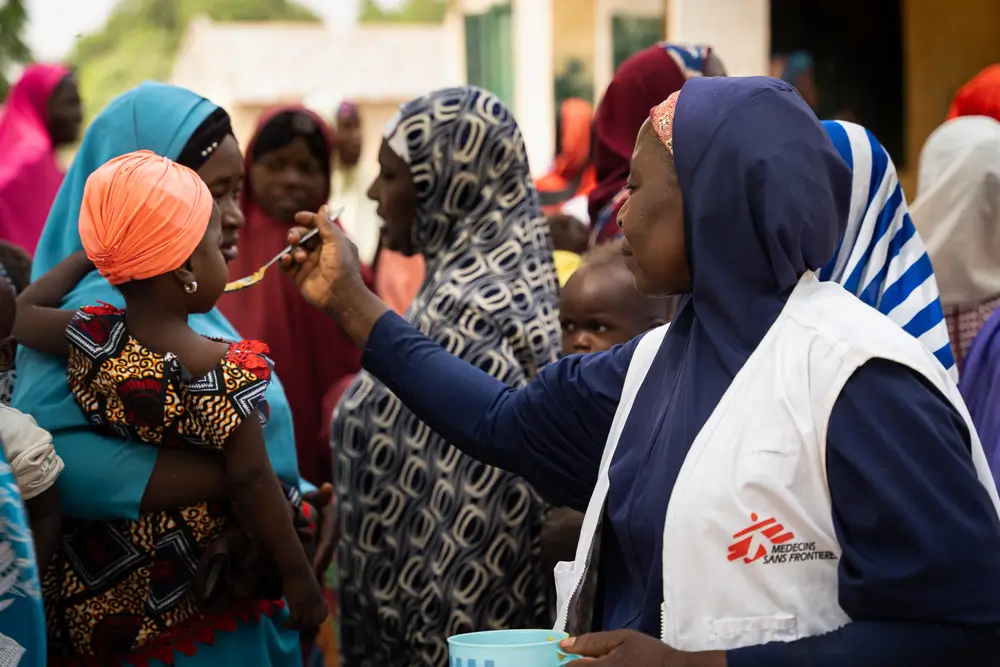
(192, 287)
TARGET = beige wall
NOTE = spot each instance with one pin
(374, 117)
(945, 44)
(739, 30)
(573, 33)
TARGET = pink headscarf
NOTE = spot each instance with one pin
(29, 173)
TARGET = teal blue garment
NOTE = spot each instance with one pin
(22, 618)
(105, 477)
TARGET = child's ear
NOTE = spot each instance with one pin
(185, 276)
(8, 349)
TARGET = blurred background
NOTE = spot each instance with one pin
(893, 65)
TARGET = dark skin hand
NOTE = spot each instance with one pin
(327, 527)
(45, 517)
(628, 648)
(329, 276)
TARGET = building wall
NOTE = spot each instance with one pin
(534, 94)
(573, 36)
(945, 45)
(739, 31)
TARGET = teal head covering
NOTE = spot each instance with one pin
(153, 116)
(159, 118)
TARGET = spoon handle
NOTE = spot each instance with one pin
(305, 237)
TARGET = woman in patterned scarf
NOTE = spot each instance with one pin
(435, 543)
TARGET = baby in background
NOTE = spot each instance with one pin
(599, 308)
(28, 449)
(152, 230)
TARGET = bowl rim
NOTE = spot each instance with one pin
(555, 637)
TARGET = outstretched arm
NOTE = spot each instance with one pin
(40, 323)
(551, 432)
(45, 516)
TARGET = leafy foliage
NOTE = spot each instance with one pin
(403, 11)
(13, 50)
(631, 34)
(141, 38)
(573, 80)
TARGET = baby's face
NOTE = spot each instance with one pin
(597, 310)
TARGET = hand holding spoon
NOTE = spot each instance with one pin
(258, 275)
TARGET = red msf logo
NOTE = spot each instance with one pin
(750, 542)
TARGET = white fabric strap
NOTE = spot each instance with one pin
(639, 365)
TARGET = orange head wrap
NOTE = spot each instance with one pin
(142, 216)
(980, 96)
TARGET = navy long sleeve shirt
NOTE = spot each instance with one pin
(920, 570)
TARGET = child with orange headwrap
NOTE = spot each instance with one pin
(151, 228)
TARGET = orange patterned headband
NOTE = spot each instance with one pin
(662, 116)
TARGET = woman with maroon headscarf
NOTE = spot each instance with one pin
(288, 170)
(41, 113)
(640, 83)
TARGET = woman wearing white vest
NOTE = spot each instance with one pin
(784, 477)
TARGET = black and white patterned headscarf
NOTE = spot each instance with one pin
(490, 297)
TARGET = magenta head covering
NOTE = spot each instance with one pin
(29, 173)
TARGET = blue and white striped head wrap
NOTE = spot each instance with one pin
(881, 257)
(690, 58)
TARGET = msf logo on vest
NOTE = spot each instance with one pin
(768, 541)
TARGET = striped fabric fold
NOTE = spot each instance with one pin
(881, 258)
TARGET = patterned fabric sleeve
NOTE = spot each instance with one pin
(219, 402)
(94, 334)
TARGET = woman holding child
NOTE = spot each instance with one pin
(111, 487)
(733, 467)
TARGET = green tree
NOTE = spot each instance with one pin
(141, 38)
(13, 50)
(631, 34)
(573, 80)
(403, 11)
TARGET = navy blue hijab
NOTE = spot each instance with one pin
(766, 198)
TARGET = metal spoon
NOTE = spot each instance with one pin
(258, 275)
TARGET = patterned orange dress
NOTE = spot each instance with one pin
(118, 587)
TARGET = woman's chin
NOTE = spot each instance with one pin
(641, 280)
(632, 266)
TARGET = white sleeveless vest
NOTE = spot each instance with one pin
(749, 549)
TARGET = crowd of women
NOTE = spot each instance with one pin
(696, 397)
